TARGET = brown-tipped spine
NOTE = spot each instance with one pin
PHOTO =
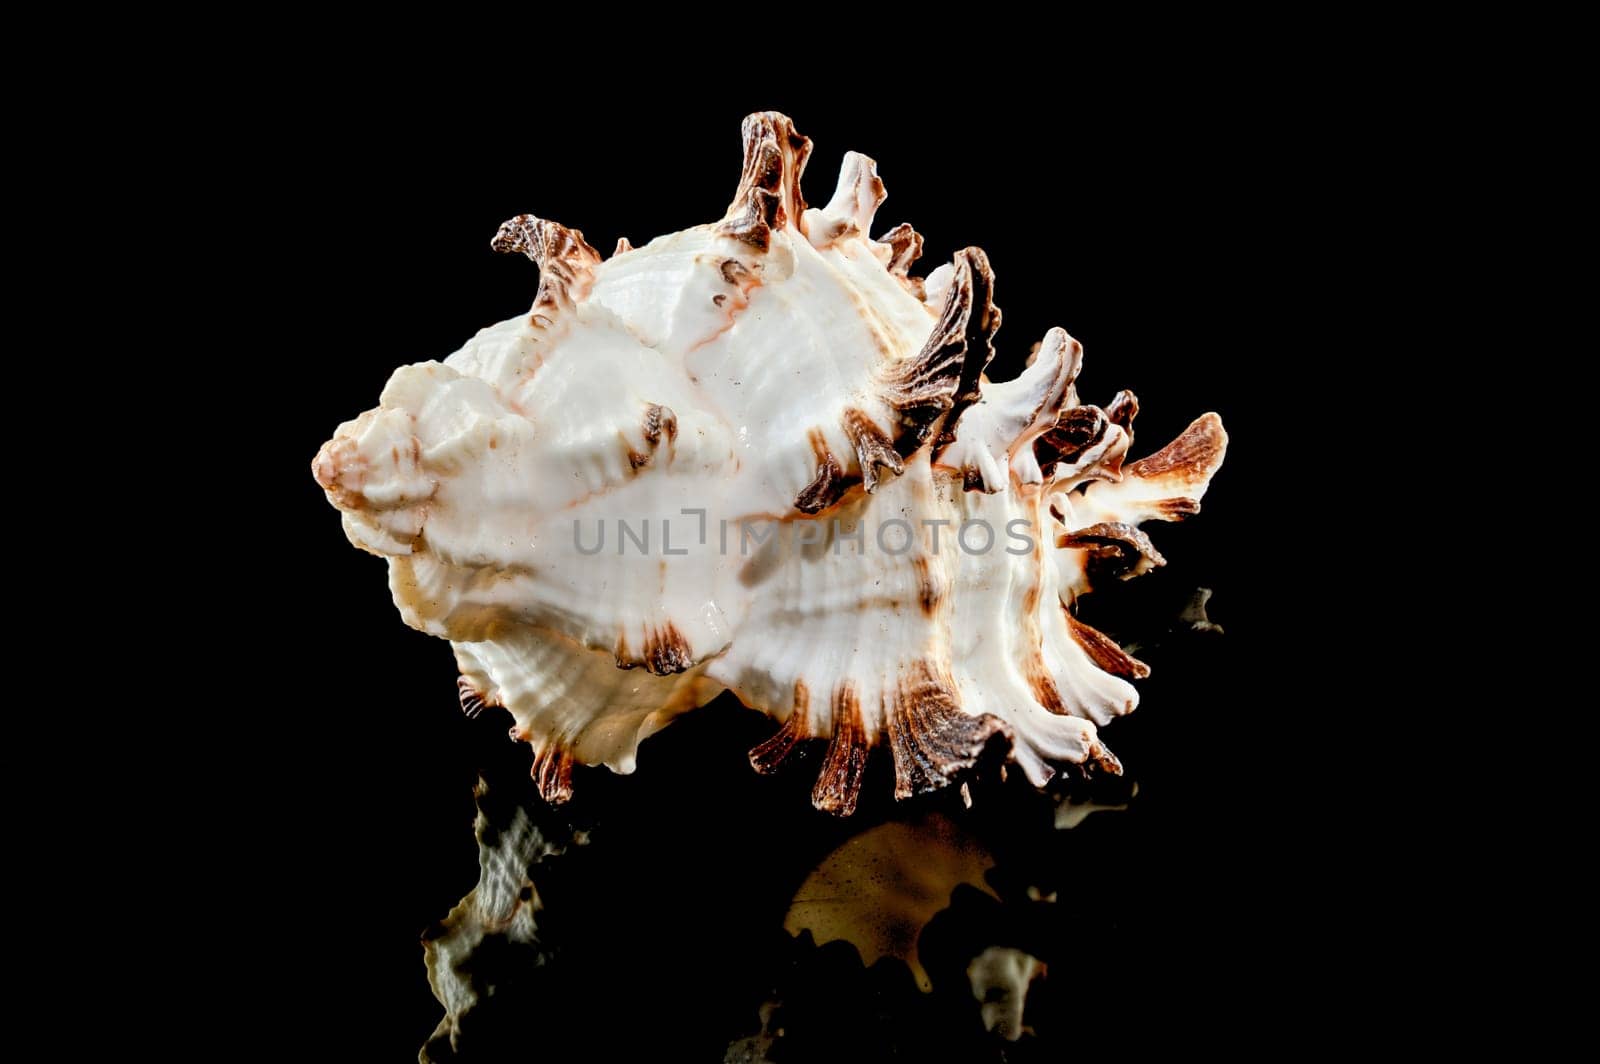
(873, 448)
(905, 248)
(1190, 459)
(769, 196)
(839, 782)
(552, 773)
(1121, 411)
(942, 380)
(1075, 431)
(933, 741)
(1104, 651)
(564, 258)
(766, 757)
(1114, 549)
(666, 651)
(829, 484)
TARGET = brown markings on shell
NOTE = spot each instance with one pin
(872, 445)
(742, 277)
(658, 421)
(623, 247)
(1104, 651)
(1030, 597)
(1121, 411)
(472, 701)
(837, 229)
(1034, 671)
(1043, 684)
(766, 757)
(1113, 549)
(829, 484)
(1187, 460)
(982, 324)
(905, 247)
(1075, 431)
(920, 389)
(769, 185)
(943, 378)
(1099, 762)
(1103, 760)
(552, 772)
(930, 584)
(666, 651)
(566, 261)
(932, 740)
(839, 783)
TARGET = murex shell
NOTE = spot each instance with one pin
(760, 456)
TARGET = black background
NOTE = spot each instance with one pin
(1162, 237)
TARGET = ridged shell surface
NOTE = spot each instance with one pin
(760, 456)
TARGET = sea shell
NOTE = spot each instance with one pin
(758, 455)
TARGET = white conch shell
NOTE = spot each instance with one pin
(790, 451)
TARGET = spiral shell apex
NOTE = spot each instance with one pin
(760, 456)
